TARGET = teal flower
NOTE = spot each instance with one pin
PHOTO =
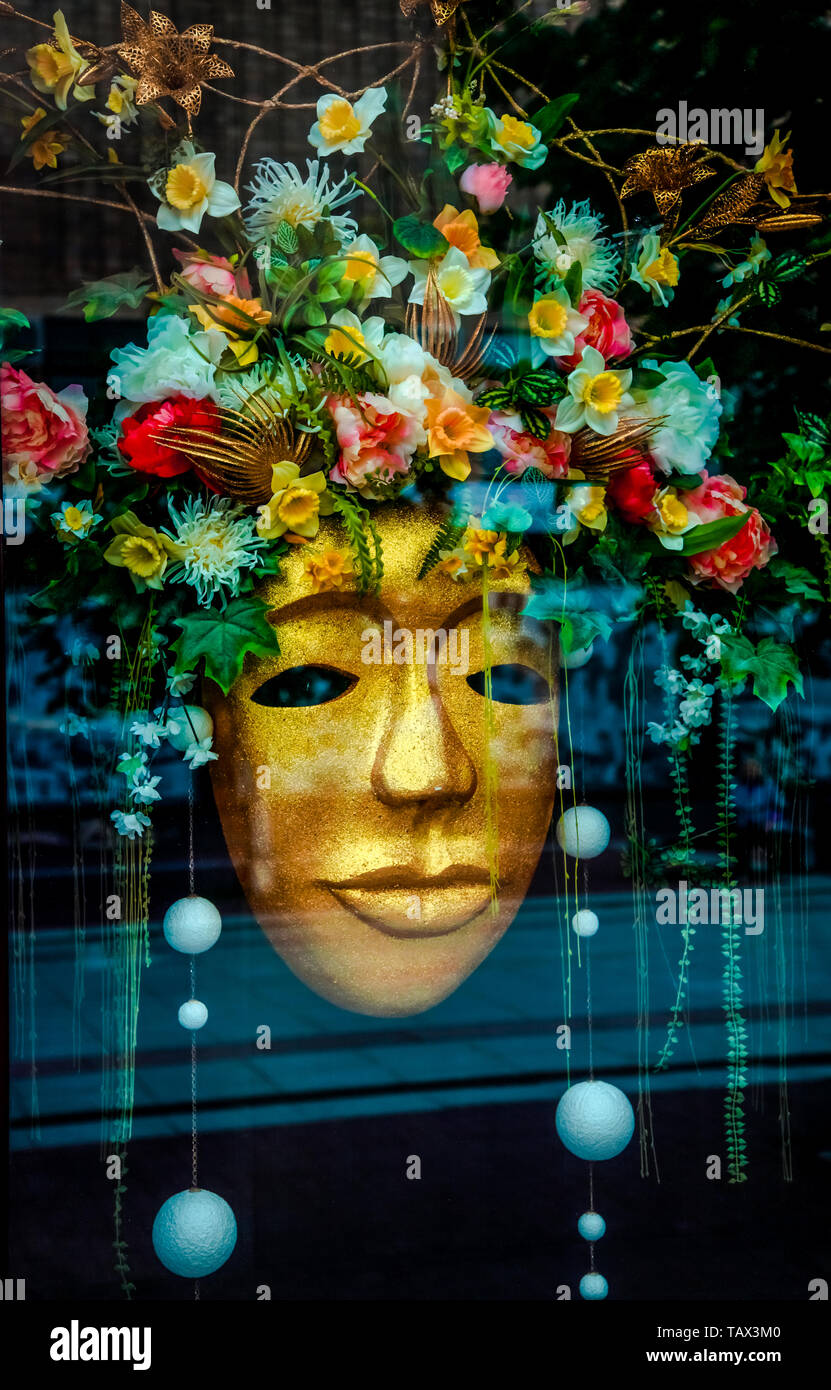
(506, 516)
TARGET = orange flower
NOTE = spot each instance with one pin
(487, 548)
(462, 230)
(329, 570)
(456, 428)
(48, 146)
(233, 312)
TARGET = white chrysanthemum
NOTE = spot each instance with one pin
(217, 542)
(267, 380)
(279, 193)
(584, 242)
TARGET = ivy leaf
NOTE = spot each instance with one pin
(712, 534)
(454, 158)
(101, 298)
(223, 639)
(806, 450)
(576, 606)
(421, 239)
(772, 665)
(551, 116)
(796, 579)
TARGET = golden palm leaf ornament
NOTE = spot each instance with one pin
(597, 456)
(433, 326)
(238, 459)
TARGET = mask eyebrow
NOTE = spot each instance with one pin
(313, 603)
(512, 601)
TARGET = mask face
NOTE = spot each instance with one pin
(352, 773)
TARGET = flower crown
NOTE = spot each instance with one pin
(310, 354)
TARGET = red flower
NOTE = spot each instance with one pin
(606, 330)
(141, 449)
(631, 490)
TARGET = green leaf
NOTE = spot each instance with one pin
(286, 238)
(538, 388)
(421, 239)
(10, 321)
(454, 158)
(772, 665)
(535, 422)
(551, 116)
(101, 298)
(796, 579)
(806, 450)
(712, 534)
(498, 399)
(573, 606)
(222, 639)
(573, 283)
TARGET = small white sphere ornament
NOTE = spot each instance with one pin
(585, 923)
(192, 925)
(577, 657)
(194, 1233)
(595, 1120)
(591, 1225)
(583, 832)
(193, 1014)
(593, 1287)
(188, 724)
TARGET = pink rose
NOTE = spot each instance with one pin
(487, 183)
(751, 548)
(212, 274)
(522, 450)
(376, 440)
(607, 330)
(44, 435)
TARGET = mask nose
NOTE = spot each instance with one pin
(421, 760)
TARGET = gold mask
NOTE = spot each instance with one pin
(358, 825)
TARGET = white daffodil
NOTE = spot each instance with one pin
(554, 321)
(595, 395)
(374, 274)
(670, 520)
(463, 289)
(344, 127)
(588, 505)
(353, 340)
(189, 189)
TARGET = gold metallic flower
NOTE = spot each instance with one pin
(595, 457)
(665, 172)
(169, 64)
(441, 10)
(239, 460)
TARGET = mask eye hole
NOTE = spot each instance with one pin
(301, 686)
(512, 684)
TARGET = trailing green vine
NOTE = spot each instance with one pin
(731, 942)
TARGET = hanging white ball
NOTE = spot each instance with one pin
(591, 1225)
(188, 724)
(595, 1120)
(585, 923)
(192, 925)
(583, 832)
(593, 1286)
(577, 657)
(193, 1014)
(194, 1233)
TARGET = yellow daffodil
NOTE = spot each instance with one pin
(296, 503)
(55, 68)
(656, 269)
(777, 168)
(670, 519)
(343, 127)
(331, 570)
(45, 150)
(462, 231)
(485, 547)
(141, 550)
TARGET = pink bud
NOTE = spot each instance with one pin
(487, 183)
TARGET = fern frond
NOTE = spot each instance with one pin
(446, 538)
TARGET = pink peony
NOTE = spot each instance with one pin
(376, 440)
(522, 450)
(487, 183)
(212, 274)
(44, 435)
(607, 330)
(751, 548)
